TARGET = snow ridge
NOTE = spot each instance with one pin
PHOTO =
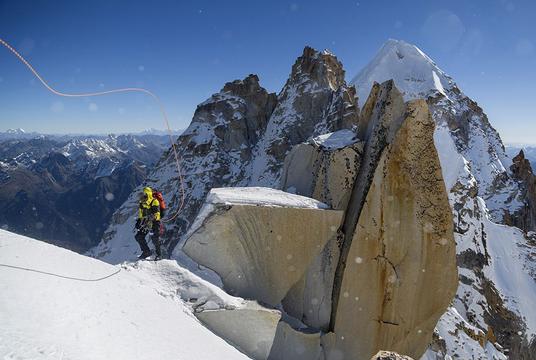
(414, 73)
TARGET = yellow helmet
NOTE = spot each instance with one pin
(148, 192)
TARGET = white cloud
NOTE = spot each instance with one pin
(93, 107)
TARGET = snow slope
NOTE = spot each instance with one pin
(506, 264)
(136, 314)
(414, 73)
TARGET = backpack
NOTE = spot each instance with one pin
(158, 196)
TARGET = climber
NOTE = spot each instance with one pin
(148, 222)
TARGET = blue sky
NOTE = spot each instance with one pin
(185, 51)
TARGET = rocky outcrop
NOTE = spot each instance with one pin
(480, 144)
(315, 100)
(325, 169)
(381, 118)
(477, 171)
(260, 250)
(251, 328)
(525, 217)
(310, 299)
(401, 273)
(221, 137)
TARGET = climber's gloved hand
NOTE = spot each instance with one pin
(138, 224)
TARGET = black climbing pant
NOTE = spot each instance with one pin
(155, 237)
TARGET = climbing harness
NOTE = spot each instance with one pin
(60, 276)
(113, 91)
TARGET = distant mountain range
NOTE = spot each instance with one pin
(22, 134)
(64, 189)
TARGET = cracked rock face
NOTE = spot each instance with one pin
(325, 169)
(382, 116)
(310, 299)
(261, 251)
(401, 271)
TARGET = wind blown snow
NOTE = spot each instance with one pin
(133, 315)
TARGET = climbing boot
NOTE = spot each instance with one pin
(144, 255)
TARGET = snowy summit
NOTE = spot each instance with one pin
(414, 73)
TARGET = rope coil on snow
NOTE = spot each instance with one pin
(58, 275)
(120, 90)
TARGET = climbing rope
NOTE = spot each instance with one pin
(58, 275)
(113, 91)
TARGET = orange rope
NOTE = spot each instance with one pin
(121, 90)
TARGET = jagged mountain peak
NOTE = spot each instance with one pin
(248, 86)
(233, 94)
(320, 66)
(415, 74)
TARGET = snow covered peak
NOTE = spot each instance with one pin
(319, 69)
(414, 73)
(18, 131)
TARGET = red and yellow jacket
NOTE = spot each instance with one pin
(149, 206)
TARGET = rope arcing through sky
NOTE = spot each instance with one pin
(113, 91)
